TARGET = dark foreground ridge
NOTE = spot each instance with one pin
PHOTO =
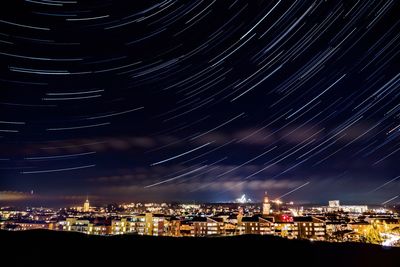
(42, 246)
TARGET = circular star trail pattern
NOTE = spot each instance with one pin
(199, 100)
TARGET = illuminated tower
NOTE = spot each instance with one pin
(240, 216)
(266, 206)
(86, 205)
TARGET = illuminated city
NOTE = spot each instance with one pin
(332, 223)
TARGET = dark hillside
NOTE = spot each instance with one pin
(75, 249)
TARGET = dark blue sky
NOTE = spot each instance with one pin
(199, 101)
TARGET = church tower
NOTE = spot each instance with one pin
(266, 205)
(86, 205)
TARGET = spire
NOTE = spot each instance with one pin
(266, 205)
(86, 205)
(266, 200)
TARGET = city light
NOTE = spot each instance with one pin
(243, 199)
(271, 217)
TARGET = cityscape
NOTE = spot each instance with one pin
(256, 130)
(332, 223)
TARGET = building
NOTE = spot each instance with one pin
(285, 229)
(158, 224)
(230, 228)
(258, 225)
(384, 224)
(359, 228)
(85, 226)
(266, 205)
(186, 228)
(205, 226)
(99, 229)
(173, 228)
(354, 208)
(146, 224)
(86, 206)
(334, 206)
(335, 227)
(31, 225)
(309, 227)
(75, 225)
(119, 227)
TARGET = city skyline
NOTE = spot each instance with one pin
(333, 222)
(28, 199)
(182, 101)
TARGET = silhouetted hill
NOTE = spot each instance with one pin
(76, 249)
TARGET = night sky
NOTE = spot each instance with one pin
(129, 101)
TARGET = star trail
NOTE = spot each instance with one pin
(200, 100)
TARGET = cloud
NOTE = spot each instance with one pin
(248, 136)
(196, 186)
(363, 130)
(148, 175)
(24, 198)
(80, 145)
(254, 136)
(217, 138)
(293, 134)
(12, 196)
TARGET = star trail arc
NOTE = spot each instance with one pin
(213, 96)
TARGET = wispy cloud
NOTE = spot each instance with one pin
(14, 196)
